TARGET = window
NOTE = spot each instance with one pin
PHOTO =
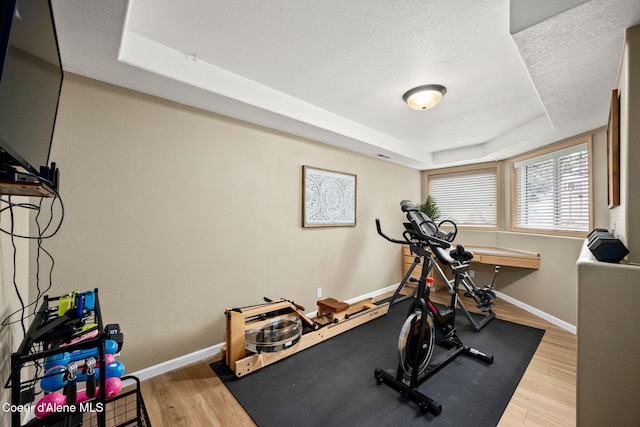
(551, 190)
(469, 196)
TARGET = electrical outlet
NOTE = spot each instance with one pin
(472, 273)
(319, 293)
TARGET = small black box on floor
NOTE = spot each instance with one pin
(606, 247)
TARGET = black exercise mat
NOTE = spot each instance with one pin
(333, 384)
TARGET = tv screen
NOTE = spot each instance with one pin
(30, 83)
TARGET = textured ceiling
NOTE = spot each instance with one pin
(335, 71)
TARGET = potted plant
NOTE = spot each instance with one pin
(430, 208)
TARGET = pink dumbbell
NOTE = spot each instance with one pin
(56, 402)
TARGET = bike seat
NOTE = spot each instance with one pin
(460, 254)
(442, 255)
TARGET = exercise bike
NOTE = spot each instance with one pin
(426, 325)
(483, 296)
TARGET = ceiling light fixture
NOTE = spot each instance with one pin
(424, 97)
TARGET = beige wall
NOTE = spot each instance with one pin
(176, 214)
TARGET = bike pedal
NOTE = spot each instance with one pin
(485, 307)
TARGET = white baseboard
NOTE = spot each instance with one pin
(178, 362)
(196, 356)
(373, 294)
(549, 318)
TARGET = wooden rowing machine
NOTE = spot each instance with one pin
(334, 317)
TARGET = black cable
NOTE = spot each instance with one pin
(40, 237)
(15, 264)
(19, 205)
(6, 321)
(41, 231)
(36, 207)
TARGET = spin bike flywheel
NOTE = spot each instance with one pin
(409, 340)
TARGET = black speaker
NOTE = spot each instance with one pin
(605, 246)
(597, 232)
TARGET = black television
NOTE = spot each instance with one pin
(30, 83)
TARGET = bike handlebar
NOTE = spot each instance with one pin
(430, 240)
(401, 242)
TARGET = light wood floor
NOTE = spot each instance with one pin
(194, 396)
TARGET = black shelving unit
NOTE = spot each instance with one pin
(27, 370)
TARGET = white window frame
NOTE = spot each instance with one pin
(469, 170)
(552, 152)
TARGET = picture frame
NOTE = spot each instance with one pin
(328, 198)
(613, 151)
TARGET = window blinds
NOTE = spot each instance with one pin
(552, 190)
(467, 198)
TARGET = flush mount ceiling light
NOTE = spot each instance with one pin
(424, 97)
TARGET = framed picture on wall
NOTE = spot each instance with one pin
(613, 151)
(328, 198)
